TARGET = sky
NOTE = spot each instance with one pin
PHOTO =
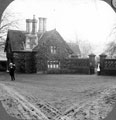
(86, 20)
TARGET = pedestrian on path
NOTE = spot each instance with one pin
(98, 69)
(11, 71)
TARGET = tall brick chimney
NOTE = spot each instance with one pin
(40, 25)
(28, 25)
(44, 24)
(34, 25)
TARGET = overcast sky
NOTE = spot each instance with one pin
(89, 20)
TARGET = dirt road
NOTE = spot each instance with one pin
(58, 97)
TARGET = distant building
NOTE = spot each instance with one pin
(48, 46)
(75, 48)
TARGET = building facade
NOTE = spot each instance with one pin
(36, 50)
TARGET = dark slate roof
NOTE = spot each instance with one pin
(53, 34)
(16, 39)
(50, 35)
(75, 48)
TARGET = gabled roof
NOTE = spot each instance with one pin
(16, 39)
(75, 48)
(52, 35)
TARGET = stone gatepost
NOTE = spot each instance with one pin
(102, 58)
(92, 59)
(92, 63)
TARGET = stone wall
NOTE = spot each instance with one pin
(75, 66)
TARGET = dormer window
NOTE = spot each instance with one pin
(53, 49)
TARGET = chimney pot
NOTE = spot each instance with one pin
(44, 24)
(40, 24)
(28, 25)
(34, 25)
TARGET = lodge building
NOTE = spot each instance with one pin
(37, 50)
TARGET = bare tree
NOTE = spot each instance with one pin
(84, 45)
(85, 48)
(111, 49)
(7, 21)
(111, 46)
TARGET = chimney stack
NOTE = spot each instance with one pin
(41, 25)
(34, 25)
(28, 25)
(44, 24)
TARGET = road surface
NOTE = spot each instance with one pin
(58, 97)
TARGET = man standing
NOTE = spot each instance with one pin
(98, 69)
(11, 71)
